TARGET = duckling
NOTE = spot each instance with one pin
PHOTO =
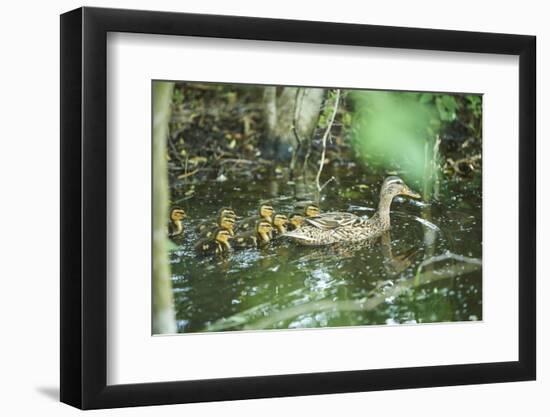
(295, 221)
(214, 246)
(265, 212)
(260, 236)
(214, 223)
(175, 226)
(224, 222)
(280, 222)
(311, 210)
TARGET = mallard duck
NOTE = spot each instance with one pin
(265, 212)
(280, 223)
(227, 212)
(224, 222)
(329, 228)
(214, 246)
(261, 235)
(175, 226)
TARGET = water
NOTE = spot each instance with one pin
(427, 269)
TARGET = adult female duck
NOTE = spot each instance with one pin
(329, 228)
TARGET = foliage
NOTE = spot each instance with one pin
(391, 129)
(401, 131)
(219, 131)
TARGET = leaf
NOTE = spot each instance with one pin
(446, 106)
(426, 98)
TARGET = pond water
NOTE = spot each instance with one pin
(426, 269)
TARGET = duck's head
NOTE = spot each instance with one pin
(296, 220)
(177, 214)
(227, 223)
(394, 186)
(227, 212)
(264, 229)
(223, 236)
(266, 211)
(312, 210)
(280, 220)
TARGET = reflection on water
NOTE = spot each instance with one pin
(427, 270)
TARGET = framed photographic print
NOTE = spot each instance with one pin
(257, 208)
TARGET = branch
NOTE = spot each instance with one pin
(327, 182)
(187, 174)
(325, 136)
(245, 161)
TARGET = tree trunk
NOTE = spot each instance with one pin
(163, 303)
(270, 108)
(287, 110)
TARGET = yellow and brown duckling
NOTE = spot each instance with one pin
(311, 210)
(260, 236)
(225, 222)
(175, 226)
(329, 228)
(226, 212)
(296, 220)
(280, 224)
(265, 212)
(214, 245)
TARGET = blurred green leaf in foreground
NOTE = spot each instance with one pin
(396, 131)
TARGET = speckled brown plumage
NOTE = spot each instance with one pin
(329, 228)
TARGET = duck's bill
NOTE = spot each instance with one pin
(410, 193)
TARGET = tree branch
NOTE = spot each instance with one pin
(325, 137)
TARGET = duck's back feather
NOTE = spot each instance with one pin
(327, 221)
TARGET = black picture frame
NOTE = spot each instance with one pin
(84, 207)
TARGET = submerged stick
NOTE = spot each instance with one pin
(368, 303)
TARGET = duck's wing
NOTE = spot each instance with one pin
(327, 221)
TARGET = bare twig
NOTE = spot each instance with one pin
(327, 182)
(174, 150)
(186, 161)
(245, 161)
(435, 167)
(325, 137)
(187, 174)
(181, 200)
(463, 166)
